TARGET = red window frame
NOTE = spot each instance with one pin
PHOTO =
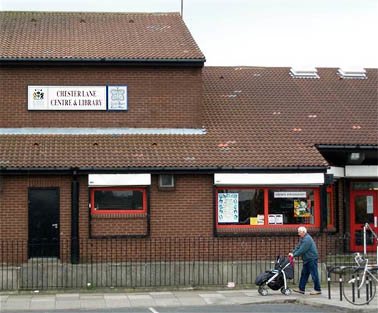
(144, 199)
(331, 194)
(266, 208)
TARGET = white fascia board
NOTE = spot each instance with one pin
(269, 179)
(361, 171)
(119, 180)
(337, 172)
(101, 131)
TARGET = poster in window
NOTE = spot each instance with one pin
(369, 204)
(260, 219)
(279, 218)
(271, 219)
(301, 209)
(228, 208)
(275, 219)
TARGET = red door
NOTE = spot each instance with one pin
(364, 209)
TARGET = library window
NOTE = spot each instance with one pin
(118, 200)
(267, 207)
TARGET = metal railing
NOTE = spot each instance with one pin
(150, 263)
(368, 227)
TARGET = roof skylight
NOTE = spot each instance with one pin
(311, 72)
(346, 73)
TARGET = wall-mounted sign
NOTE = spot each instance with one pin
(228, 207)
(73, 98)
(290, 194)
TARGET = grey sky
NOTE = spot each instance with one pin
(321, 33)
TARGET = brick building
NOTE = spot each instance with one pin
(111, 127)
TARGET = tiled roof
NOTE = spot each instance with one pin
(254, 118)
(147, 151)
(96, 36)
(266, 104)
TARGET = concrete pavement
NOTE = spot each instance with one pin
(34, 301)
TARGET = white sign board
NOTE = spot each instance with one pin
(95, 180)
(117, 98)
(290, 194)
(228, 208)
(269, 179)
(74, 98)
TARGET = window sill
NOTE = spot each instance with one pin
(118, 215)
(258, 231)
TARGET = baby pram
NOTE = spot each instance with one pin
(277, 278)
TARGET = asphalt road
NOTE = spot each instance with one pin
(249, 308)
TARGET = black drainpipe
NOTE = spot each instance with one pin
(75, 252)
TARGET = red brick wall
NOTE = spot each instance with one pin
(185, 212)
(178, 218)
(157, 97)
(120, 225)
(14, 204)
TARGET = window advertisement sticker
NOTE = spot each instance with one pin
(301, 209)
(369, 204)
(228, 208)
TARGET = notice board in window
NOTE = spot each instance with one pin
(228, 207)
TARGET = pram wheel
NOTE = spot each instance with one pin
(286, 292)
(263, 291)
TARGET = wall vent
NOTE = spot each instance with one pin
(166, 181)
(304, 72)
(352, 73)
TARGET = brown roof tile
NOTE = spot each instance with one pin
(267, 104)
(96, 36)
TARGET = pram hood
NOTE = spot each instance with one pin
(285, 264)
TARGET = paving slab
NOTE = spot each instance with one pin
(42, 304)
(99, 300)
(141, 300)
(191, 301)
(67, 296)
(92, 303)
(67, 305)
(117, 301)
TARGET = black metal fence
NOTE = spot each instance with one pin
(164, 262)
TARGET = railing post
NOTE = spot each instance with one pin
(75, 253)
(329, 283)
(341, 285)
(365, 239)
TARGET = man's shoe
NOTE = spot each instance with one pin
(315, 292)
(299, 291)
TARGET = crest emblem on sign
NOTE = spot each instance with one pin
(118, 94)
(38, 94)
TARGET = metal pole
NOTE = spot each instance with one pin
(365, 240)
(182, 8)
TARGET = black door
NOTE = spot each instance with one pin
(43, 222)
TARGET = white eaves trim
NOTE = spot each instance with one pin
(102, 131)
(337, 172)
(119, 180)
(269, 179)
(361, 171)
